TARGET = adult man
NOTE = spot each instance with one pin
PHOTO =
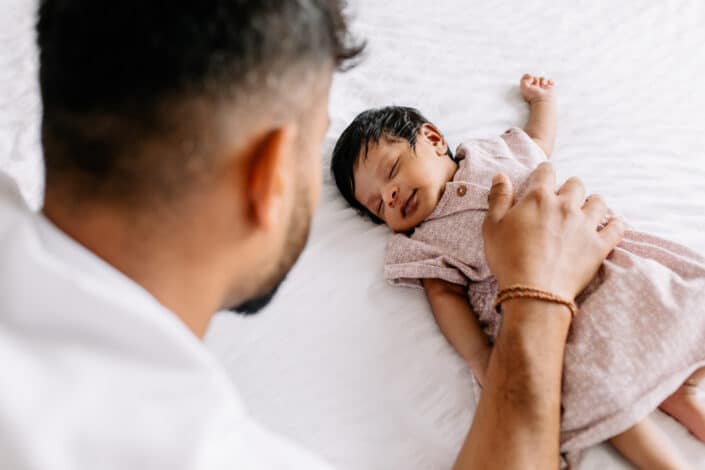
(181, 146)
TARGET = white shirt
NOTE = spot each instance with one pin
(96, 374)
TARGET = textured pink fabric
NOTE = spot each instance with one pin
(641, 328)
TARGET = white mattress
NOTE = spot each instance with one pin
(357, 370)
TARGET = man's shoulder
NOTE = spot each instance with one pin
(93, 364)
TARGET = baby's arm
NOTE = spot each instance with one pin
(459, 324)
(538, 92)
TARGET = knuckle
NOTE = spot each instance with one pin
(596, 208)
(574, 181)
(615, 232)
(595, 198)
(597, 201)
(566, 207)
(496, 196)
(499, 189)
(545, 166)
(541, 195)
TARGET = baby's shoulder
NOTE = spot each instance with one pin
(492, 146)
(513, 153)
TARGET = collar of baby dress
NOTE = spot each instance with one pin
(466, 191)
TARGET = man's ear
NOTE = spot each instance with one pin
(435, 138)
(269, 175)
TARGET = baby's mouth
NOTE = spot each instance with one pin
(410, 204)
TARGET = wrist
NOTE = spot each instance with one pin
(532, 341)
(527, 312)
(548, 283)
(521, 291)
(541, 100)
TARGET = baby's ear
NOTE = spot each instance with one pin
(435, 138)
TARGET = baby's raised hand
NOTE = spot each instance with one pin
(535, 88)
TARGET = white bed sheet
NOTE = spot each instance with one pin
(355, 369)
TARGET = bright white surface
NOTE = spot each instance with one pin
(357, 370)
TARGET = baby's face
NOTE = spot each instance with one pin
(401, 185)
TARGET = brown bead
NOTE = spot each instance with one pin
(462, 190)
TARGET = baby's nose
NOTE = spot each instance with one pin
(392, 197)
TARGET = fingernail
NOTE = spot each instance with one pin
(496, 179)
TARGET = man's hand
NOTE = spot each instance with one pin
(550, 241)
(561, 248)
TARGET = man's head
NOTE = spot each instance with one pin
(207, 116)
(392, 165)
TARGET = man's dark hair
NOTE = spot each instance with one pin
(368, 128)
(117, 75)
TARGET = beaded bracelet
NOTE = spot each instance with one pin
(526, 292)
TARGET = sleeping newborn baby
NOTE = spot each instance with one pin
(638, 339)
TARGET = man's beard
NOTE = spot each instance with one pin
(255, 304)
(299, 225)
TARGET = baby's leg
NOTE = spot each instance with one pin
(646, 446)
(687, 406)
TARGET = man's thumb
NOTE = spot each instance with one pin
(501, 197)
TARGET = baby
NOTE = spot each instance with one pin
(638, 341)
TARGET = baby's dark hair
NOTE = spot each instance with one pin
(368, 128)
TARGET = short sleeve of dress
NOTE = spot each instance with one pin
(522, 148)
(408, 262)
